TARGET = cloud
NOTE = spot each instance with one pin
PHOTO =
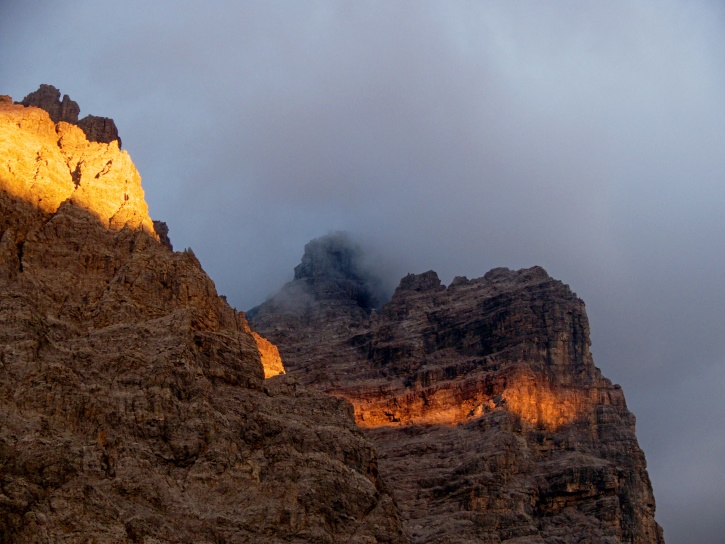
(458, 136)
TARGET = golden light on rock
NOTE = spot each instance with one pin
(268, 352)
(525, 394)
(539, 404)
(47, 164)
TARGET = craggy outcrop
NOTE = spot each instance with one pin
(99, 129)
(162, 231)
(96, 129)
(133, 399)
(491, 420)
(47, 164)
(47, 98)
(331, 265)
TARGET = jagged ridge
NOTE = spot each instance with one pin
(133, 398)
(491, 420)
(96, 129)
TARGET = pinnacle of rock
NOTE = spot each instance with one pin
(99, 129)
(47, 98)
(96, 129)
(162, 230)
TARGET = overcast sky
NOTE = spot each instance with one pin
(586, 137)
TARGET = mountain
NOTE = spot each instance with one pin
(137, 406)
(133, 400)
(491, 421)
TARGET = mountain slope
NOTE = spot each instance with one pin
(132, 398)
(490, 418)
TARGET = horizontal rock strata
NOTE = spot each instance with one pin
(492, 422)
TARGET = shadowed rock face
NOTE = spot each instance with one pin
(491, 420)
(132, 398)
(99, 129)
(47, 98)
(162, 230)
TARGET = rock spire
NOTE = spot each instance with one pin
(96, 129)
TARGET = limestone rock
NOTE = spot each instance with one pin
(99, 129)
(96, 129)
(269, 355)
(132, 397)
(47, 164)
(491, 420)
(162, 231)
(47, 98)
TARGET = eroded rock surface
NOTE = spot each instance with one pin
(96, 129)
(132, 397)
(491, 420)
(99, 129)
(47, 98)
(46, 164)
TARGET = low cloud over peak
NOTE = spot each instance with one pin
(585, 138)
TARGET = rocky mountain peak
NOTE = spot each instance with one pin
(491, 419)
(427, 281)
(96, 129)
(333, 278)
(136, 404)
(334, 256)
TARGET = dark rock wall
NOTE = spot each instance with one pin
(133, 404)
(491, 420)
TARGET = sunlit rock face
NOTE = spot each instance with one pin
(133, 399)
(96, 129)
(46, 164)
(268, 354)
(491, 420)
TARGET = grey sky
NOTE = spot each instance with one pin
(586, 137)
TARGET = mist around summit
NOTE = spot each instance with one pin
(582, 137)
(338, 256)
(333, 267)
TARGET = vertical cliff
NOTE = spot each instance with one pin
(491, 420)
(133, 399)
